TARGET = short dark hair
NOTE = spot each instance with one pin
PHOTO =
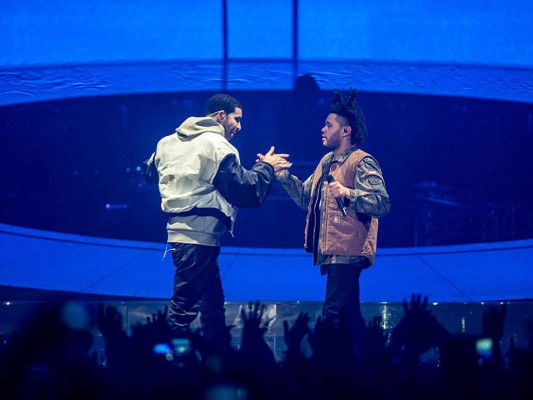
(346, 106)
(222, 102)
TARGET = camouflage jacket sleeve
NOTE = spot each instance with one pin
(299, 191)
(369, 195)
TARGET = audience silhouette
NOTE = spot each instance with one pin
(51, 358)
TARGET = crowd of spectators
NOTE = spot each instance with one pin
(52, 358)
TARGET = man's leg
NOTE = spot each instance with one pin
(212, 312)
(195, 264)
(342, 297)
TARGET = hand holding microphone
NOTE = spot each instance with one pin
(339, 201)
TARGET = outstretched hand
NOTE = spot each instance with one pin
(419, 330)
(278, 161)
(252, 317)
(294, 335)
(376, 337)
(493, 327)
(109, 322)
(253, 345)
(494, 321)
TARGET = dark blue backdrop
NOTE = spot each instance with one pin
(89, 87)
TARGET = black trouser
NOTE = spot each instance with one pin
(342, 297)
(197, 289)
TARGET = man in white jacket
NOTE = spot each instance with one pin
(201, 183)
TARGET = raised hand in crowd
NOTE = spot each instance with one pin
(417, 332)
(253, 344)
(109, 322)
(375, 345)
(493, 324)
(332, 345)
(294, 335)
(154, 330)
(117, 342)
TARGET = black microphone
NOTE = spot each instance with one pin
(337, 199)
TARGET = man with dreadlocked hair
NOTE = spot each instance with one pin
(344, 198)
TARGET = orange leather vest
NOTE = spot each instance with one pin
(353, 235)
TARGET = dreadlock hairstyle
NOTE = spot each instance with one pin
(347, 107)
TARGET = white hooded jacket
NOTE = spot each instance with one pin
(200, 176)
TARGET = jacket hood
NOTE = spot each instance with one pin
(194, 126)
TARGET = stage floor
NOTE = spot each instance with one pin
(61, 262)
(461, 282)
